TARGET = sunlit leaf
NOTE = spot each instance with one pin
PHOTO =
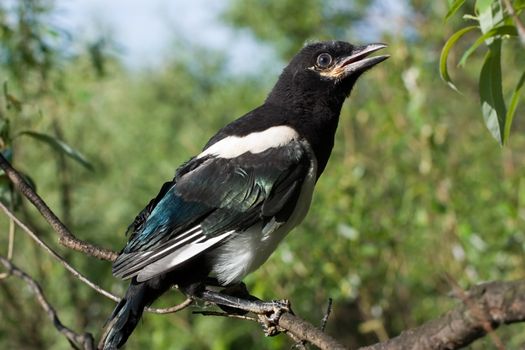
(498, 31)
(483, 5)
(59, 146)
(491, 94)
(454, 7)
(490, 14)
(514, 100)
(443, 68)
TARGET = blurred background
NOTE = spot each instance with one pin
(417, 198)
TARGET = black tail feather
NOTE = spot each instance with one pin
(125, 317)
(129, 310)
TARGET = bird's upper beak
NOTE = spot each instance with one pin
(357, 61)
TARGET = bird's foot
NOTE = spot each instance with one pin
(269, 320)
(268, 312)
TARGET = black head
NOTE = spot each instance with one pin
(323, 73)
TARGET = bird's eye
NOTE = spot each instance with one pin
(324, 60)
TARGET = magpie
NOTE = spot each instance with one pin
(227, 208)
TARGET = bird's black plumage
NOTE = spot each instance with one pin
(228, 208)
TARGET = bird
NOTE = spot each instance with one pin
(228, 207)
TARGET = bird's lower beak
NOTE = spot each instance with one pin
(357, 62)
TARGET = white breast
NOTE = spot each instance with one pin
(246, 251)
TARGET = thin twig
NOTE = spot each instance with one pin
(519, 25)
(55, 255)
(79, 341)
(67, 239)
(11, 243)
(10, 246)
(324, 320)
(301, 343)
(172, 309)
(78, 274)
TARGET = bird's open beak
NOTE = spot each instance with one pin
(357, 61)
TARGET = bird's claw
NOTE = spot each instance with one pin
(270, 320)
(279, 307)
(270, 329)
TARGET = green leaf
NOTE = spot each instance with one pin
(491, 93)
(454, 7)
(514, 100)
(483, 5)
(498, 31)
(490, 14)
(443, 68)
(59, 146)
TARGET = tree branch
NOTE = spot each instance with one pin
(298, 329)
(78, 341)
(67, 239)
(10, 246)
(308, 332)
(492, 304)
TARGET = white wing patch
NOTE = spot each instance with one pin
(147, 264)
(197, 234)
(256, 142)
(179, 256)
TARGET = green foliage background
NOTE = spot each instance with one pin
(416, 199)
